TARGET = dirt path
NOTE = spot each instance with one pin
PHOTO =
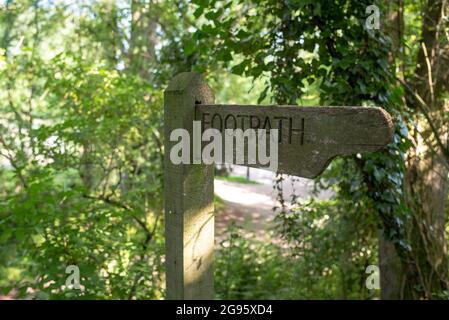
(250, 205)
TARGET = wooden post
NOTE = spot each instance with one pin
(309, 138)
(188, 194)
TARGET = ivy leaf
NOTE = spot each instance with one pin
(240, 68)
(263, 95)
(224, 55)
(198, 12)
(189, 47)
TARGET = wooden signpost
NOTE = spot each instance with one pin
(308, 139)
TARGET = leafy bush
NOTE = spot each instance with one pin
(323, 256)
(87, 190)
(247, 268)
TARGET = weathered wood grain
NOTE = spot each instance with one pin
(310, 137)
(188, 195)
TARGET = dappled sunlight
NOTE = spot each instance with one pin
(242, 194)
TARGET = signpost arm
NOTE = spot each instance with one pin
(188, 194)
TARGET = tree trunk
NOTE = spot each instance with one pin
(427, 170)
(427, 188)
(143, 38)
(426, 182)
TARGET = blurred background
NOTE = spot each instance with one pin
(81, 146)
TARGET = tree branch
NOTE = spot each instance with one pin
(424, 109)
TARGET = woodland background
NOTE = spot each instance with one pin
(81, 177)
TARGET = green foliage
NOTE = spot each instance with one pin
(334, 239)
(81, 145)
(248, 269)
(81, 166)
(320, 262)
(307, 45)
(91, 190)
